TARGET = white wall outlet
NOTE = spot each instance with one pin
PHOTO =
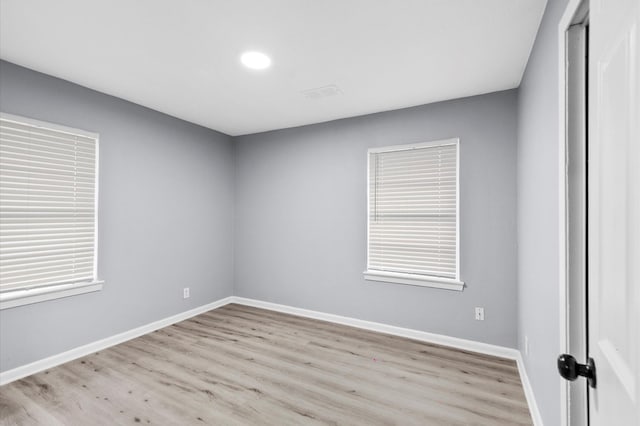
(185, 293)
(526, 345)
(479, 314)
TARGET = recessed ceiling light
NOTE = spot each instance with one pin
(255, 60)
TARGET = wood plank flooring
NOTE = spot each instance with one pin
(238, 365)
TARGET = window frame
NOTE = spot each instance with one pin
(14, 297)
(410, 278)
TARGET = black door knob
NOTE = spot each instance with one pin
(570, 369)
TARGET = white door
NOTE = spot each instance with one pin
(614, 211)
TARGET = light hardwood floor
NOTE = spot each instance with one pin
(238, 365)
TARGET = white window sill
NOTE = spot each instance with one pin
(411, 279)
(13, 298)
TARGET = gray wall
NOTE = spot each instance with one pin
(538, 223)
(166, 216)
(301, 218)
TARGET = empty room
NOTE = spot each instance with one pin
(298, 212)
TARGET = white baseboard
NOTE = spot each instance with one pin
(454, 342)
(440, 339)
(55, 360)
(528, 392)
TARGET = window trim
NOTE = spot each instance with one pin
(408, 278)
(24, 296)
(20, 297)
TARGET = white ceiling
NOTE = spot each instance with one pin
(183, 57)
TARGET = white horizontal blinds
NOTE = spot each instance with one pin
(413, 211)
(47, 206)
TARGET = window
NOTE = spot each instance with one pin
(413, 215)
(48, 200)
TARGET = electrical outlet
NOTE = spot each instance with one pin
(185, 293)
(479, 314)
(526, 345)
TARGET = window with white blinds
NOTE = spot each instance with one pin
(48, 180)
(413, 212)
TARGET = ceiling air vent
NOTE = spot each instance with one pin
(322, 92)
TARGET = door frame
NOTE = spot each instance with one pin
(573, 14)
